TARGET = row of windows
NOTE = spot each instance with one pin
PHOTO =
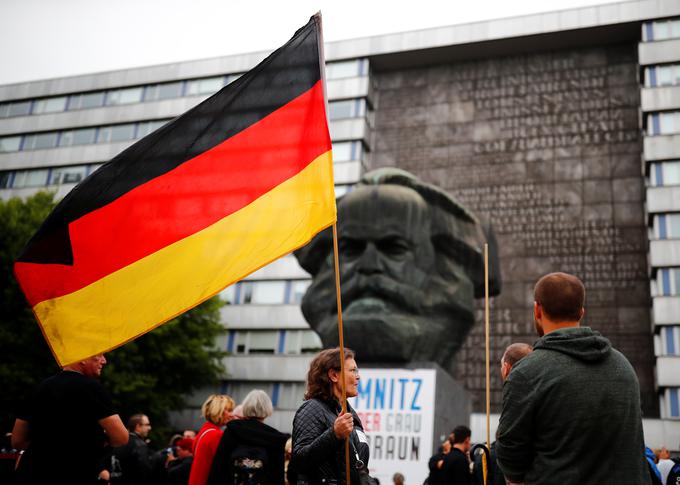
(670, 340)
(73, 174)
(284, 395)
(152, 92)
(279, 292)
(665, 173)
(661, 30)
(350, 108)
(115, 97)
(353, 108)
(667, 75)
(670, 403)
(343, 151)
(46, 177)
(667, 282)
(245, 342)
(344, 69)
(80, 136)
(667, 226)
(348, 151)
(663, 123)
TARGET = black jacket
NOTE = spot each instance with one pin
(248, 432)
(136, 461)
(434, 478)
(456, 469)
(318, 455)
(178, 471)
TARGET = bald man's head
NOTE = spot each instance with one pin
(513, 354)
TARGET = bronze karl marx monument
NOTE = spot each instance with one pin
(411, 264)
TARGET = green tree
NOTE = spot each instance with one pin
(152, 374)
(26, 358)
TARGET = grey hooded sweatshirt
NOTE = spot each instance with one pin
(571, 414)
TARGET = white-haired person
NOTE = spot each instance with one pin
(249, 450)
(217, 412)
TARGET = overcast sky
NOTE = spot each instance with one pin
(54, 38)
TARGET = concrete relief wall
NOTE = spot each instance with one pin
(548, 147)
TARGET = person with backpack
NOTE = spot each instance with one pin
(250, 452)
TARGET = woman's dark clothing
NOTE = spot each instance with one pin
(179, 470)
(434, 478)
(249, 433)
(318, 455)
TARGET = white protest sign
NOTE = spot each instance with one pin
(396, 407)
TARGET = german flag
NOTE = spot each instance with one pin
(233, 184)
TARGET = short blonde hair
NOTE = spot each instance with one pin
(213, 408)
(257, 405)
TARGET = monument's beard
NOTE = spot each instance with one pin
(386, 320)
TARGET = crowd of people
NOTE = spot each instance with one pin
(454, 463)
(570, 414)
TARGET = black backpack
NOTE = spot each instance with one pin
(249, 464)
(674, 474)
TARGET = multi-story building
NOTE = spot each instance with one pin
(550, 125)
(659, 57)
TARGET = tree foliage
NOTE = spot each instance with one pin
(26, 358)
(152, 374)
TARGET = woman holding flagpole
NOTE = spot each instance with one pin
(320, 428)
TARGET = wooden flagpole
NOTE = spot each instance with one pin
(488, 375)
(341, 338)
(341, 341)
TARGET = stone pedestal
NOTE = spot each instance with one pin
(452, 403)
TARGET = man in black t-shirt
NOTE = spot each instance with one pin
(62, 427)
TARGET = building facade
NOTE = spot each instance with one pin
(562, 129)
(660, 105)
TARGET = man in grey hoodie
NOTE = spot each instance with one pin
(571, 408)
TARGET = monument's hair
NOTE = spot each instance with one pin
(456, 233)
(562, 297)
(319, 386)
(516, 352)
(431, 193)
(213, 408)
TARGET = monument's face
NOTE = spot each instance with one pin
(401, 300)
